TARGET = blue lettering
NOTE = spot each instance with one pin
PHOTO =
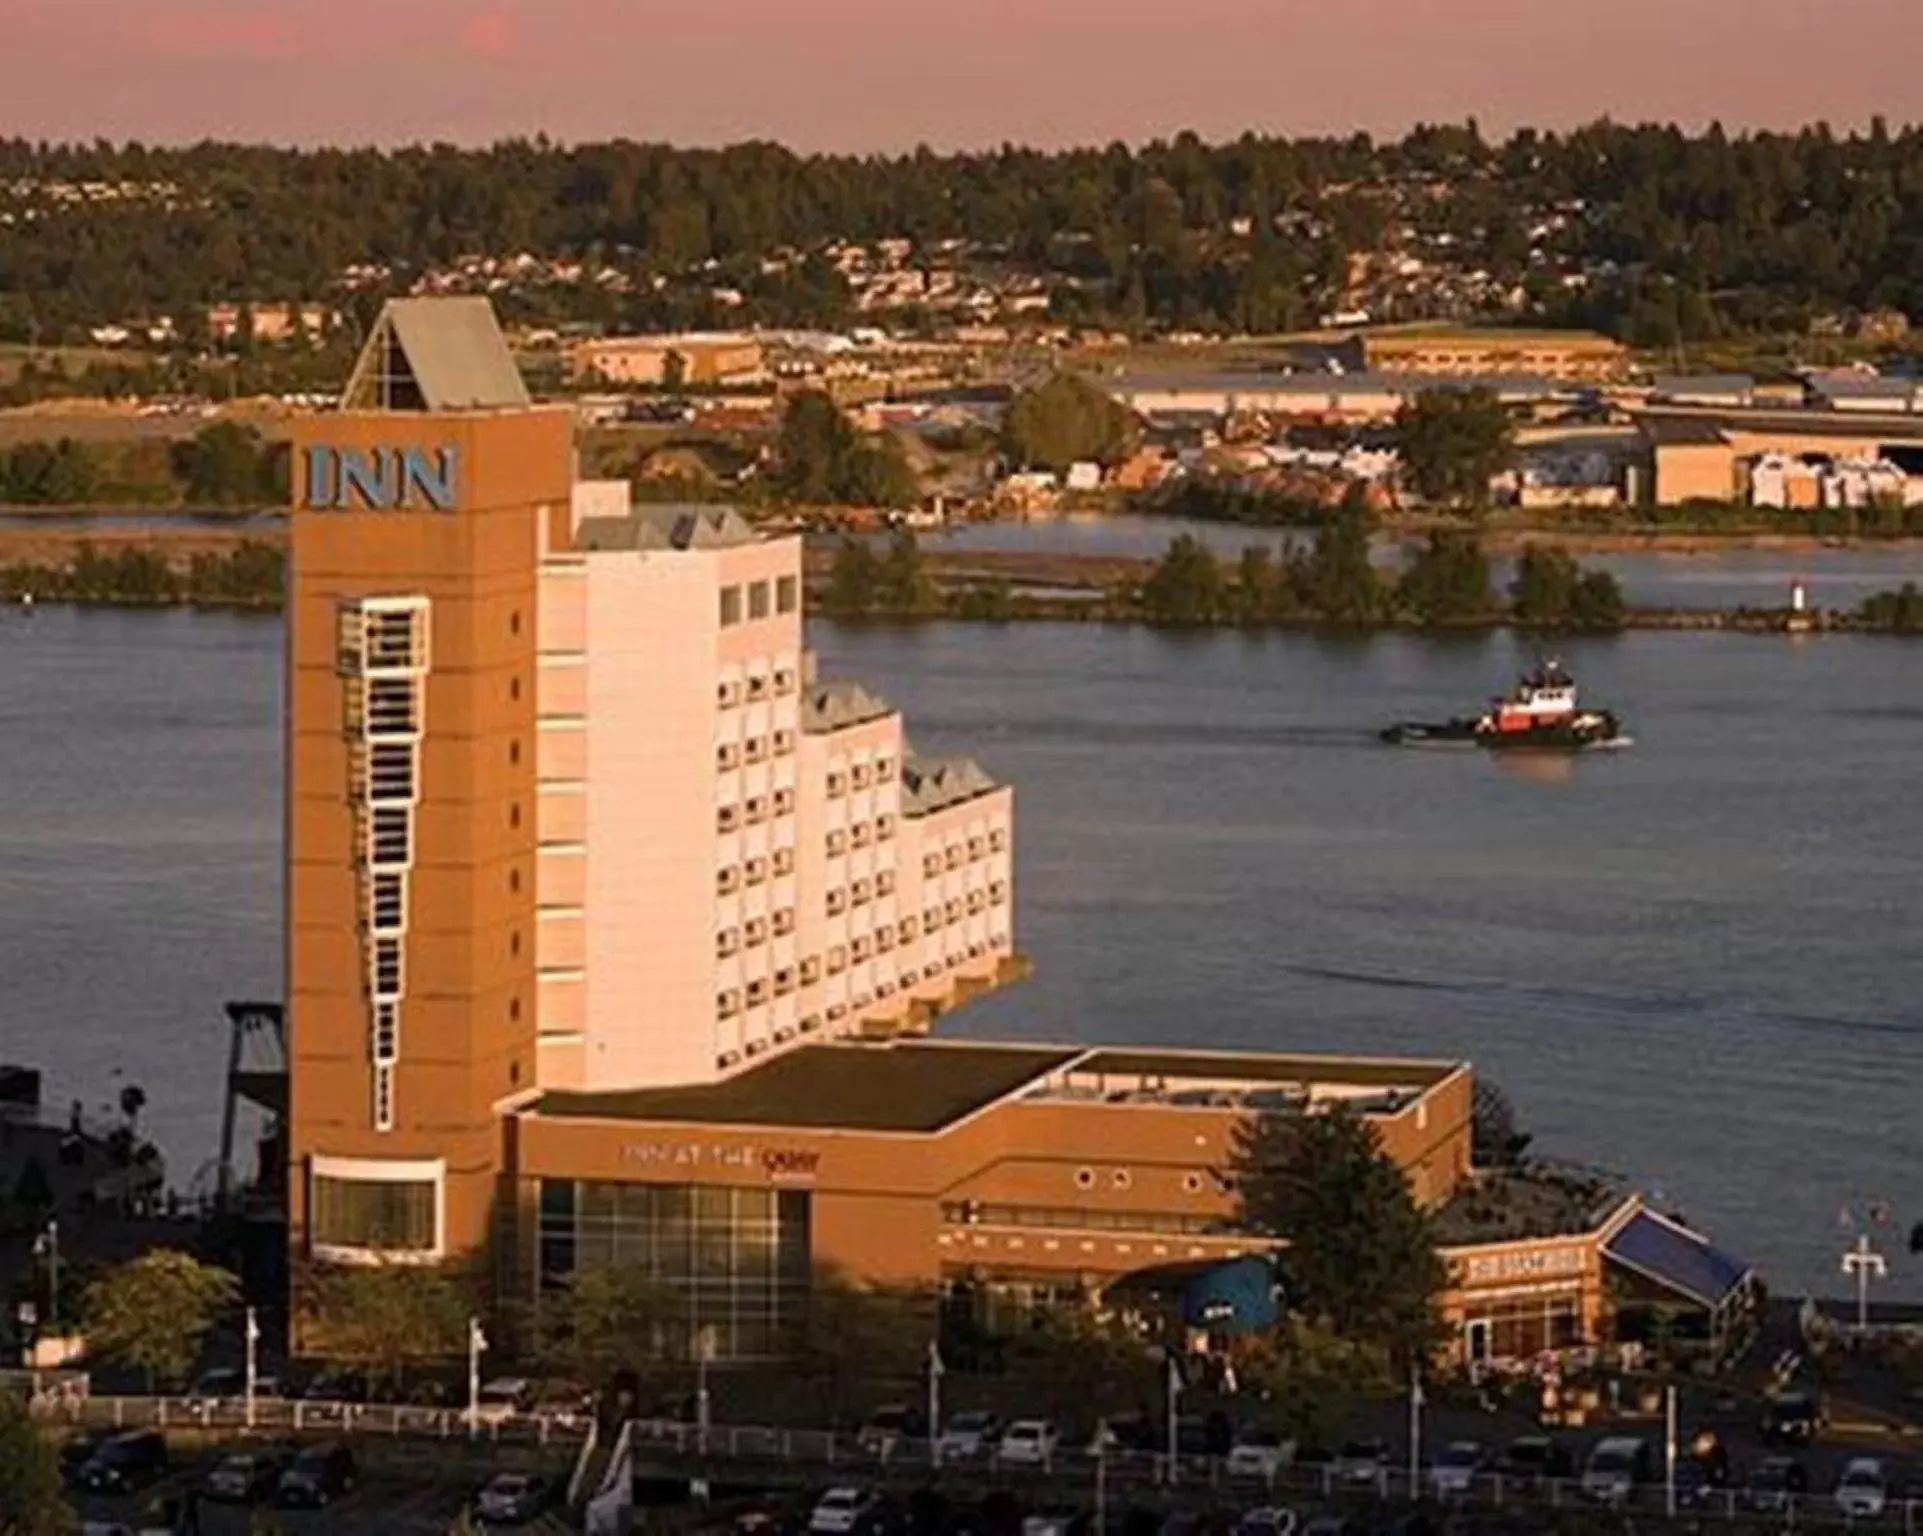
(382, 479)
(432, 477)
(371, 476)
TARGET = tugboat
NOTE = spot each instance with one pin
(1539, 713)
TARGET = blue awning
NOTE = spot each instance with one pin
(1678, 1259)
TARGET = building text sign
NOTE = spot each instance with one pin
(1521, 1264)
(382, 479)
(780, 1163)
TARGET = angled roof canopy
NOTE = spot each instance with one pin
(435, 354)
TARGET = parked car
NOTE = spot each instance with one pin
(1538, 1458)
(245, 1477)
(1615, 1466)
(318, 1475)
(1776, 1483)
(1457, 1466)
(1028, 1443)
(513, 1498)
(1266, 1522)
(969, 1435)
(1793, 1418)
(1863, 1490)
(1361, 1463)
(79, 1449)
(218, 1385)
(502, 1398)
(887, 1427)
(127, 1461)
(840, 1511)
(1259, 1452)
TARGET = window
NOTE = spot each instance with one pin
(837, 843)
(727, 942)
(837, 902)
(728, 881)
(860, 834)
(756, 929)
(730, 607)
(728, 694)
(787, 594)
(884, 940)
(784, 680)
(395, 1216)
(884, 769)
(514, 689)
(757, 748)
(757, 810)
(784, 743)
(998, 892)
(755, 871)
(727, 755)
(885, 883)
(784, 981)
(390, 902)
(727, 818)
(931, 919)
(862, 949)
(785, 922)
(758, 600)
(784, 861)
(884, 826)
(910, 929)
(514, 882)
(514, 1009)
(514, 944)
(757, 687)
(727, 1004)
(811, 970)
(514, 752)
(931, 864)
(784, 802)
(976, 847)
(837, 786)
(514, 817)
(757, 991)
(998, 839)
(514, 622)
(837, 960)
(862, 890)
(859, 775)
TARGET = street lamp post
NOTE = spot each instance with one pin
(476, 1347)
(1866, 1264)
(936, 1370)
(1669, 1450)
(47, 1244)
(1415, 1433)
(1174, 1421)
(253, 1339)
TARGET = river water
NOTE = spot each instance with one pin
(1694, 961)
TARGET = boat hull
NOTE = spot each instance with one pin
(1574, 735)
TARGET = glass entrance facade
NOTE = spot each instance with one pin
(739, 1258)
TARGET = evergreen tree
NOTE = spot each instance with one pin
(903, 586)
(1186, 585)
(1361, 1258)
(1448, 581)
(32, 1501)
(1452, 443)
(854, 585)
(1339, 581)
(1065, 421)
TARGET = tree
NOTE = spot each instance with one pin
(1453, 443)
(1899, 611)
(1551, 591)
(904, 586)
(1074, 1361)
(878, 474)
(1186, 585)
(1360, 1256)
(1498, 1138)
(154, 1312)
(859, 1337)
(1064, 421)
(607, 1318)
(1448, 581)
(32, 1502)
(854, 584)
(383, 1318)
(224, 465)
(816, 441)
(1311, 1374)
(1339, 580)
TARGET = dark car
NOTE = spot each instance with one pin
(125, 1462)
(1776, 1483)
(1792, 1418)
(79, 1450)
(1537, 1458)
(245, 1477)
(317, 1476)
(513, 1498)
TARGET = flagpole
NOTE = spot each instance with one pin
(1415, 1434)
(1174, 1397)
(935, 1369)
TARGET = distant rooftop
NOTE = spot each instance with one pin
(1532, 1201)
(1311, 383)
(435, 354)
(667, 526)
(838, 704)
(935, 783)
(1685, 424)
(914, 1088)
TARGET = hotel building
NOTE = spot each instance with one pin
(613, 931)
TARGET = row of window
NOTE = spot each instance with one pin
(731, 1000)
(753, 932)
(861, 834)
(859, 893)
(756, 749)
(758, 599)
(959, 853)
(754, 871)
(757, 686)
(971, 1213)
(755, 810)
(860, 776)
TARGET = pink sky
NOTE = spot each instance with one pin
(886, 74)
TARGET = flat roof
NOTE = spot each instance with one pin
(1259, 1067)
(911, 1087)
(1539, 1200)
(1672, 424)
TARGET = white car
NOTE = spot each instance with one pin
(839, 1511)
(502, 1398)
(968, 1436)
(1862, 1491)
(1028, 1443)
(1259, 1453)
